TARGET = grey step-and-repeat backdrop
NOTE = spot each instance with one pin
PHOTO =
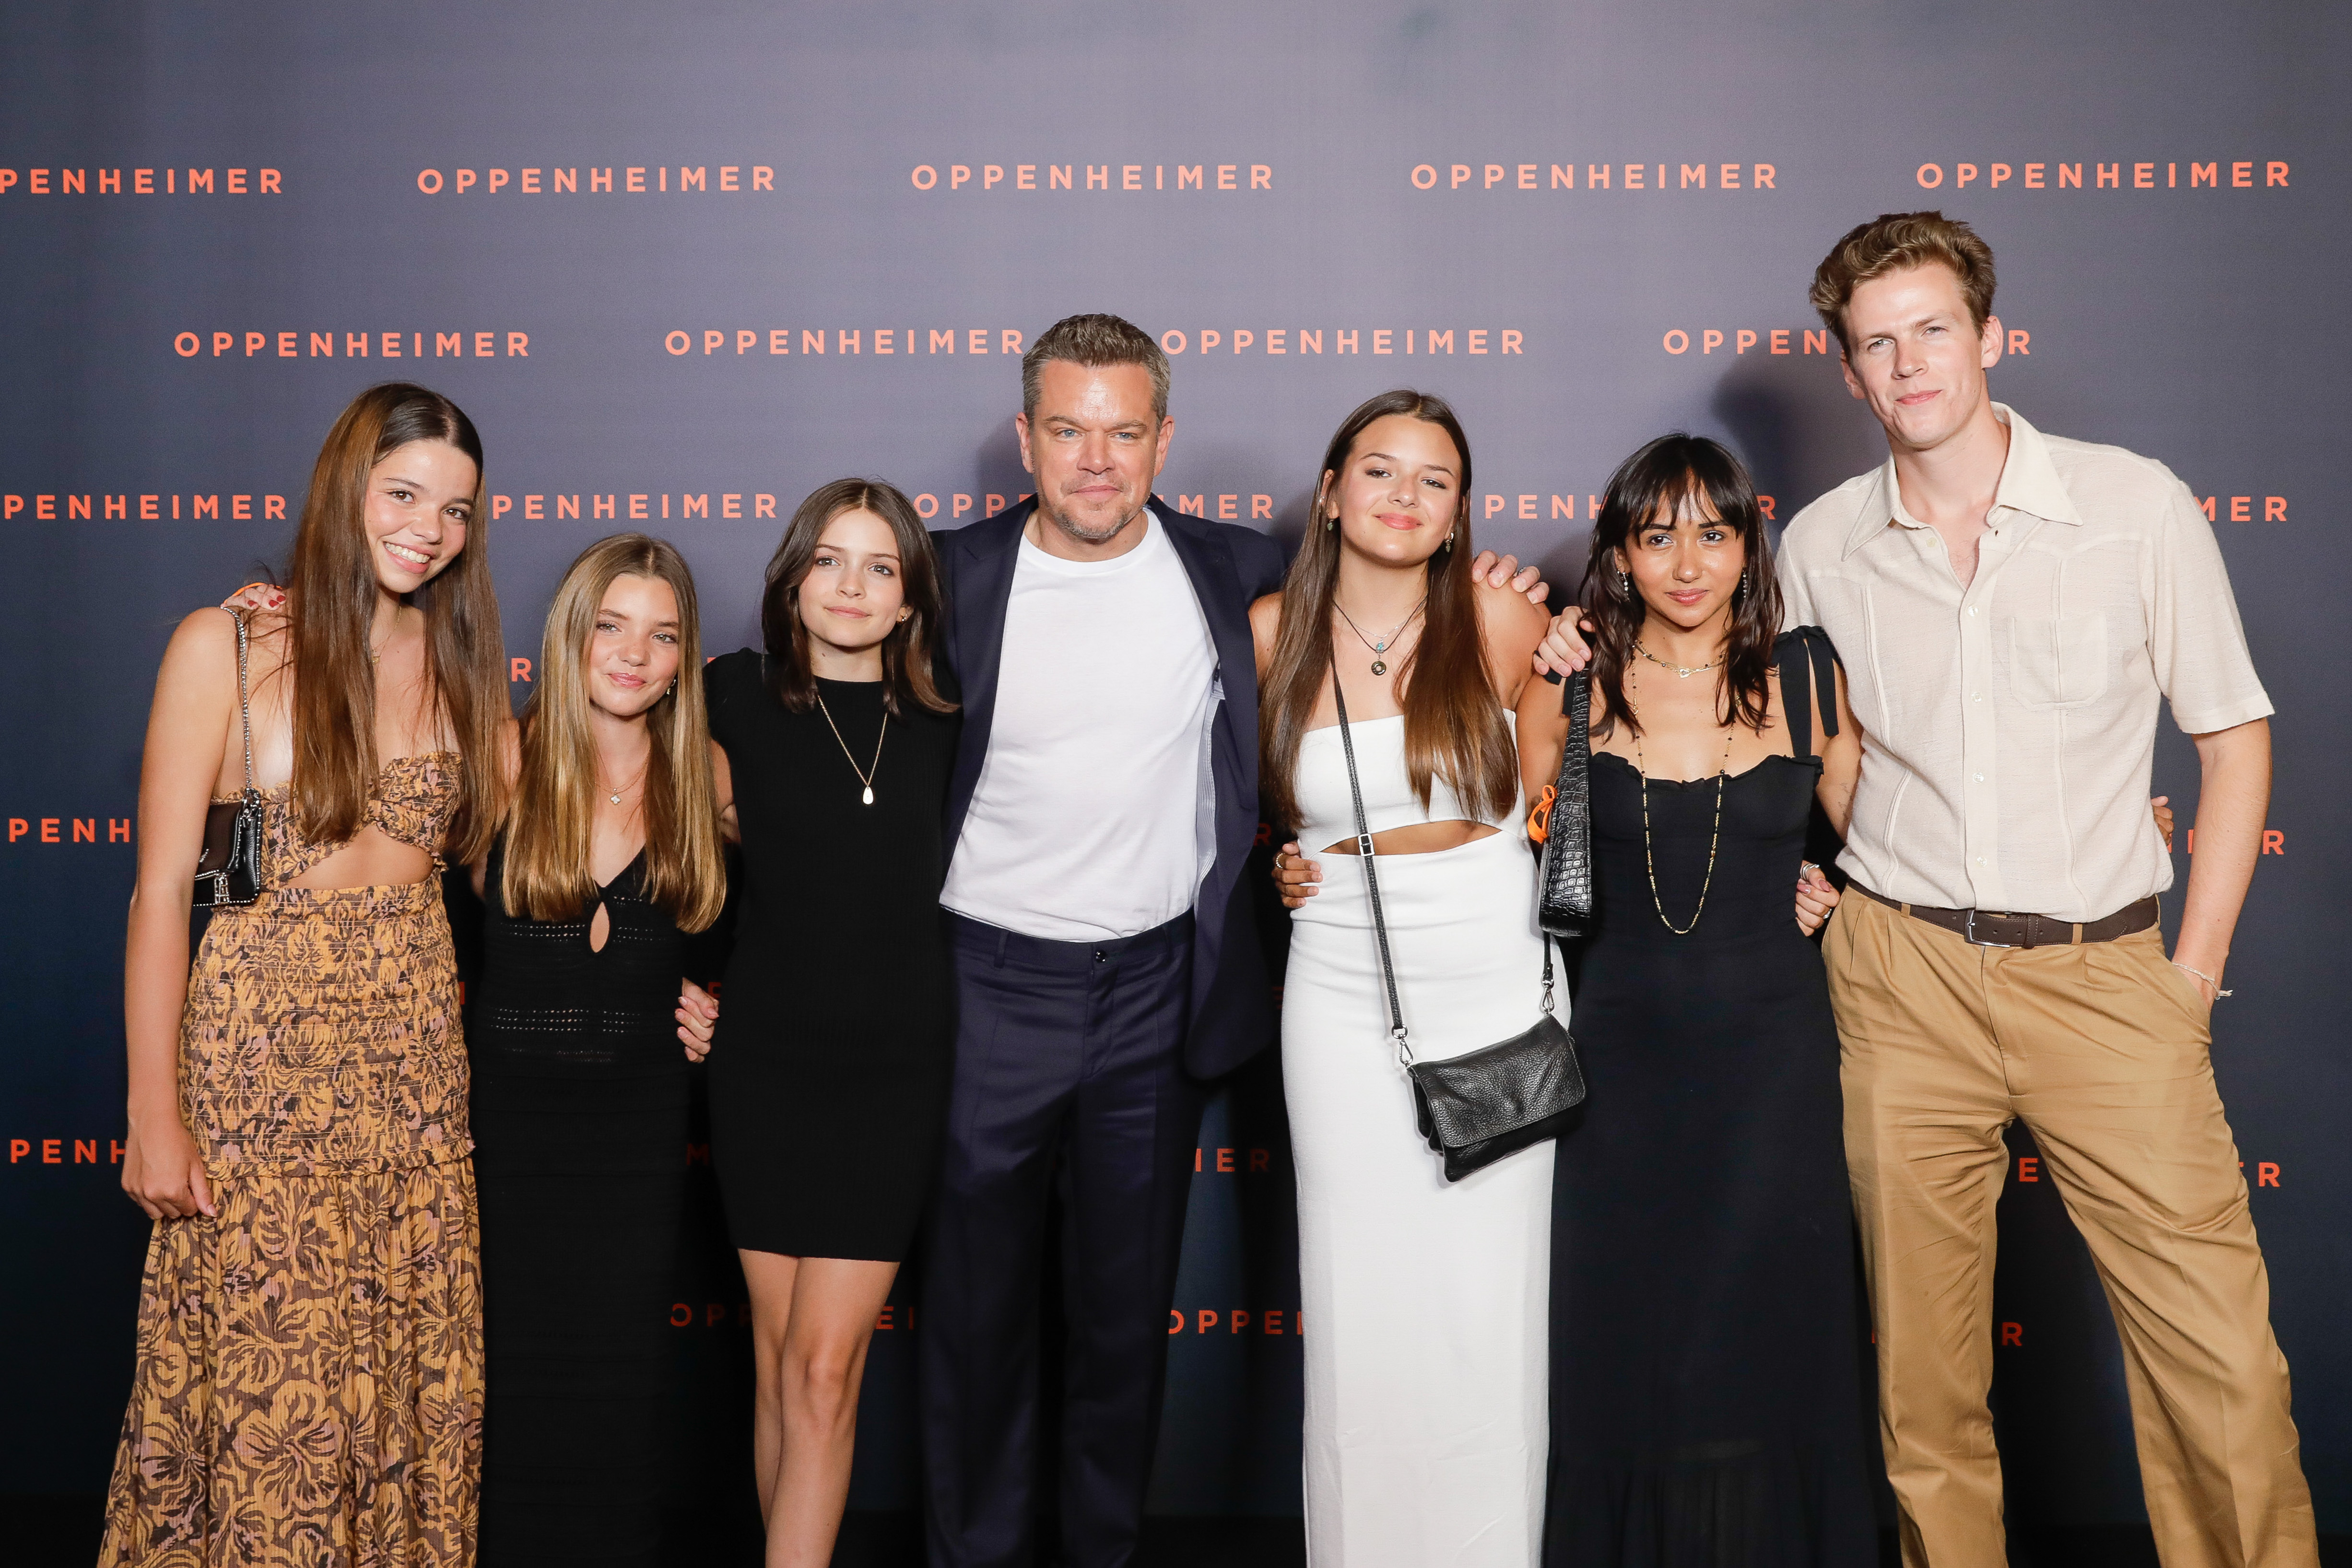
(684, 263)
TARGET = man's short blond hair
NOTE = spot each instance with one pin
(1892, 241)
(1095, 342)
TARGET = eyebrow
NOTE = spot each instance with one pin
(1915, 323)
(1441, 467)
(845, 550)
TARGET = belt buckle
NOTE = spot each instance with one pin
(1970, 934)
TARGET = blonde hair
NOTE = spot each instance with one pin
(553, 825)
(1893, 242)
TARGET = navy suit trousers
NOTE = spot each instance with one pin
(1068, 1071)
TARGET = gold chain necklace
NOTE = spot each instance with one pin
(615, 795)
(1714, 835)
(1669, 664)
(1379, 665)
(866, 774)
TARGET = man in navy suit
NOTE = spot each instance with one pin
(1107, 963)
(1104, 802)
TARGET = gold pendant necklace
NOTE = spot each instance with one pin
(866, 774)
(1714, 835)
(1686, 673)
(615, 795)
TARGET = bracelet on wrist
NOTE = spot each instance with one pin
(2210, 981)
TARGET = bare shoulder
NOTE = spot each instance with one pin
(1506, 613)
(1265, 623)
(1509, 629)
(203, 647)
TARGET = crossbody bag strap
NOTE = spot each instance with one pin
(1372, 878)
(244, 704)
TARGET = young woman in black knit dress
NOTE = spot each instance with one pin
(608, 863)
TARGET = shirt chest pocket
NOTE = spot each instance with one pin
(2059, 663)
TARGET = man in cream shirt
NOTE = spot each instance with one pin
(2011, 608)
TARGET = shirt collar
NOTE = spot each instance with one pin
(2030, 483)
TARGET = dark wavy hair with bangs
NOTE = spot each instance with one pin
(1658, 482)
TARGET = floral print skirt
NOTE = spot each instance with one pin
(307, 1387)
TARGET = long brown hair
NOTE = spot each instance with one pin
(907, 682)
(1656, 482)
(1453, 725)
(332, 586)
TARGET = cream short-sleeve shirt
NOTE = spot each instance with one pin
(2009, 728)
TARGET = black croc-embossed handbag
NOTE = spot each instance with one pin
(229, 871)
(1496, 1101)
(1564, 886)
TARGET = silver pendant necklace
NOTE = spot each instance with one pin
(1379, 665)
(865, 774)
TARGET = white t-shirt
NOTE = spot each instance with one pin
(1095, 816)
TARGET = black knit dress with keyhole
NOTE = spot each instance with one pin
(580, 1099)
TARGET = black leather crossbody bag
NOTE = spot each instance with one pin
(230, 869)
(1476, 1108)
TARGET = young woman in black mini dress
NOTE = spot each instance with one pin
(828, 1090)
(609, 860)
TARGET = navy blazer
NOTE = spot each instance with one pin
(1229, 566)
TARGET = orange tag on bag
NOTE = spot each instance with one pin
(1540, 819)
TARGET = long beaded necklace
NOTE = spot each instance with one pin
(1379, 665)
(1714, 835)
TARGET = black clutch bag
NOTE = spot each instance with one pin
(1564, 885)
(1476, 1108)
(230, 869)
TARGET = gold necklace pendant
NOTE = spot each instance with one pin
(865, 774)
(1681, 672)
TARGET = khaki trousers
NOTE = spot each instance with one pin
(2101, 1048)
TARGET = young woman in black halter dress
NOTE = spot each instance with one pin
(608, 863)
(828, 1090)
(1706, 1346)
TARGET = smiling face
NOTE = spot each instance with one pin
(633, 647)
(420, 501)
(1917, 358)
(1400, 493)
(854, 595)
(1686, 567)
(1095, 446)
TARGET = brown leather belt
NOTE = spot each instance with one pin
(1989, 929)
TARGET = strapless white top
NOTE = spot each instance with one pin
(1389, 800)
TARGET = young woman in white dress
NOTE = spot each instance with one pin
(1425, 1303)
